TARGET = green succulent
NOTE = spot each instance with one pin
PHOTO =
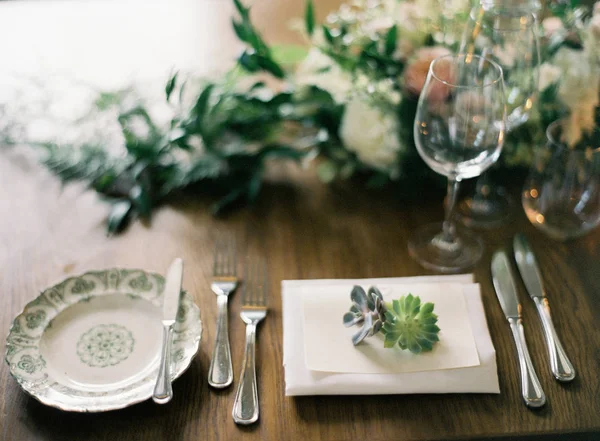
(410, 325)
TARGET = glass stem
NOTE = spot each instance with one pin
(449, 230)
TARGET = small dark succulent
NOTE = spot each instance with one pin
(368, 309)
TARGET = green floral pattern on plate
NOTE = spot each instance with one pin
(35, 319)
(30, 364)
(105, 345)
(82, 286)
(28, 367)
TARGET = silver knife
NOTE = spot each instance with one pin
(162, 390)
(559, 362)
(503, 280)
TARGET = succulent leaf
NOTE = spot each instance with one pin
(411, 325)
(364, 331)
(359, 297)
(368, 310)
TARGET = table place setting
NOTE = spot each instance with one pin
(91, 343)
(320, 359)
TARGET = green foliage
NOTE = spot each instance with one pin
(222, 142)
(410, 325)
(258, 56)
(212, 135)
(309, 18)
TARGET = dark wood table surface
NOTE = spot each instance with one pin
(305, 230)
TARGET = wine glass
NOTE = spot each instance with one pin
(561, 196)
(459, 132)
(506, 32)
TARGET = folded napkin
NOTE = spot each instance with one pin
(302, 381)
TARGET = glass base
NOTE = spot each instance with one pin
(489, 208)
(429, 249)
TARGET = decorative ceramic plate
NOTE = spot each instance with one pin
(92, 343)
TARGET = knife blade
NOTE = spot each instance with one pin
(163, 391)
(504, 285)
(560, 365)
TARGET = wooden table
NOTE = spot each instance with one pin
(305, 230)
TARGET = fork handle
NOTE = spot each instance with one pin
(245, 406)
(220, 374)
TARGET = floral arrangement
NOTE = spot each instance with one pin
(570, 75)
(405, 323)
(349, 99)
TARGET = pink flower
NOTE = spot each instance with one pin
(415, 73)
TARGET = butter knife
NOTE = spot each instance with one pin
(504, 284)
(561, 366)
(163, 391)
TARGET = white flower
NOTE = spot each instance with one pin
(594, 26)
(411, 20)
(549, 75)
(506, 55)
(592, 39)
(579, 90)
(552, 25)
(319, 70)
(371, 133)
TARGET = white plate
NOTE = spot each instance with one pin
(92, 343)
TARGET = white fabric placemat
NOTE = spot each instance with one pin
(302, 381)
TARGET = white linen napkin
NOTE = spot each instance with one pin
(299, 380)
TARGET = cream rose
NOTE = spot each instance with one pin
(552, 25)
(579, 90)
(371, 133)
(549, 74)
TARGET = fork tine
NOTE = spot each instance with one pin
(263, 292)
(247, 282)
(225, 256)
(216, 256)
(232, 257)
(255, 282)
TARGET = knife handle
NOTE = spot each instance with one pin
(163, 392)
(531, 389)
(559, 362)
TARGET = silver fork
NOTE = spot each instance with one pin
(224, 282)
(254, 309)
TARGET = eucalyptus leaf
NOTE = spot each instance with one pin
(119, 216)
(309, 17)
(141, 201)
(201, 104)
(171, 86)
(390, 41)
(269, 65)
(242, 10)
(327, 35)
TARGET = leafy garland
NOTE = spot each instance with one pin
(228, 135)
(221, 142)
